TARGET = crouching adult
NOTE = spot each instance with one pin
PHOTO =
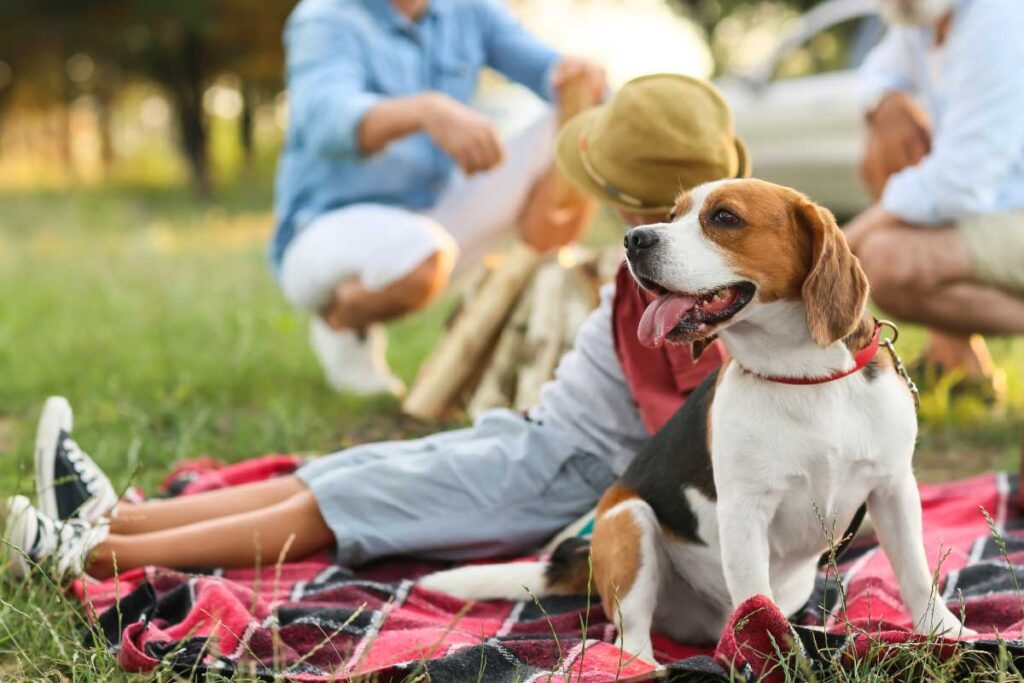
(944, 246)
(389, 181)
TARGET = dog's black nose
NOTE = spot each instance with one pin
(639, 239)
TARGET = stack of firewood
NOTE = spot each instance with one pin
(516, 320)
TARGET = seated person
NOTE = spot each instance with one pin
(388, 180)
(502, 486)
(944, 246)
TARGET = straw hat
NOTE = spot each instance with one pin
(656, 136)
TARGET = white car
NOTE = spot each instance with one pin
(807, 131)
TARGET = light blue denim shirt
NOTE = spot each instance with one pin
(344, 56)
(973, 87)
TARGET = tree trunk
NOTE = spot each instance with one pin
(106, 87)
(245, 122)
(5, 98)
(188, 100)
(67, 95)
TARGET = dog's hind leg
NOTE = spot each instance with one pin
(628, 570)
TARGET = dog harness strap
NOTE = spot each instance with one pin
(860, 360)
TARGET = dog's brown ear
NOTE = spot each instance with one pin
(836, 289)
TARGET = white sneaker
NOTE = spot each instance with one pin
(69, 484)
(31, 538)
(354, 362)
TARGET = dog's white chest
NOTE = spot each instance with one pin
(817, 451)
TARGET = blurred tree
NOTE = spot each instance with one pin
(735, 17)
(708, 13)
(185, 44)
(181, 46)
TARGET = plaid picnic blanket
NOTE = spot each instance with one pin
(315, 621)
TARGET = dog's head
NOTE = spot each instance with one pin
(732, 245)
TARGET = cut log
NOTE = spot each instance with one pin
(544, 334)
(581, 300)
(497, 387)
(609, 260)
(461, 351)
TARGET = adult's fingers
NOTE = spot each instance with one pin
(476, 159)
(567, 70)
(494, 151)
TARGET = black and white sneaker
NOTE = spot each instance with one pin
(31, 538)
(69, 484)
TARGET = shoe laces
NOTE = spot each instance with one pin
(83, 465)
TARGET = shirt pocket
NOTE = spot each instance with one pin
(456, 74)
(397, 72)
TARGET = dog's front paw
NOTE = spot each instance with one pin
(939, 621)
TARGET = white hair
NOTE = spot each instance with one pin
(914, 12)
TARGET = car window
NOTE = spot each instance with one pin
(837, 48)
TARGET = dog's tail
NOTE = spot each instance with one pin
(566, 572)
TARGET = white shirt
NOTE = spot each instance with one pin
(973, 88)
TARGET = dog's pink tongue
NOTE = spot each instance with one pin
(661, 317)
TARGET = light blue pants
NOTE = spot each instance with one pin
(503, 486)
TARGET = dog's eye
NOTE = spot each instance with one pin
(672, 216)
(726, 219)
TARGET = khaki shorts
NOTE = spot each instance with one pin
(996, 242)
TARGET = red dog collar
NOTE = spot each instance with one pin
(860, 360)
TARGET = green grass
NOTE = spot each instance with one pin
(158, 318)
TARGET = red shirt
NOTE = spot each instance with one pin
(660, 379)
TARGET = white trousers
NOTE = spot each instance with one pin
(379, 244)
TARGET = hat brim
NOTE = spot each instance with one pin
(567, 158)
(743, 160)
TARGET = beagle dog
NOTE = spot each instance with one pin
(769, 461)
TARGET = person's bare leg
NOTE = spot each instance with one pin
(554, 216)
(925, 276)
(355, 308)
(157, 515)
(288, 530)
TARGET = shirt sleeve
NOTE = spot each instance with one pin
(980, 135)
(515, 52)
(327, 79)
(888, 68)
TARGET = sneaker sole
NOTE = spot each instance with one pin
(56, 417)
(20, 528)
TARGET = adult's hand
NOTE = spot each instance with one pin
(570, 68)
(468, 137)
(899, 136)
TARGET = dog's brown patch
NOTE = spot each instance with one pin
(793, 249)
(616, 550)
(616, 493)
(771, 249)
(684, 202)
(861, 335)
(835, 290)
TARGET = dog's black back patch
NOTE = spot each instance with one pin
(677, 458)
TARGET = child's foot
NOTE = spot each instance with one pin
(353, 361)
(68, 483)
(31, 538)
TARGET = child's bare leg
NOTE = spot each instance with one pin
(240, 540)
(158, 515)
